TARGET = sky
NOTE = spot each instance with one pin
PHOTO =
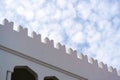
(91, 27)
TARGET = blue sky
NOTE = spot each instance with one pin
(91, 27)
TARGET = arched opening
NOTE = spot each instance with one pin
(23, 73)
(51, 78)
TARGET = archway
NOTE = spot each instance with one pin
(23, 73)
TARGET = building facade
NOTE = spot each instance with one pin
(24, 57)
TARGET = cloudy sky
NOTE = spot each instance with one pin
(91, 27)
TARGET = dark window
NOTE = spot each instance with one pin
(51, 78)
(23, 73)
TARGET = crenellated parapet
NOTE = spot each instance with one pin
(67, 59)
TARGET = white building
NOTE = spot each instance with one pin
(27, 58)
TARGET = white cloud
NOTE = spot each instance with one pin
(84, 9)
(28, 14)
(78, 37)
(58, 15)
(61, 3)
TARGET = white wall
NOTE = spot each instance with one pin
(46, 52)
(9, 61)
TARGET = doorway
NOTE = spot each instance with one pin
(23, 73)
